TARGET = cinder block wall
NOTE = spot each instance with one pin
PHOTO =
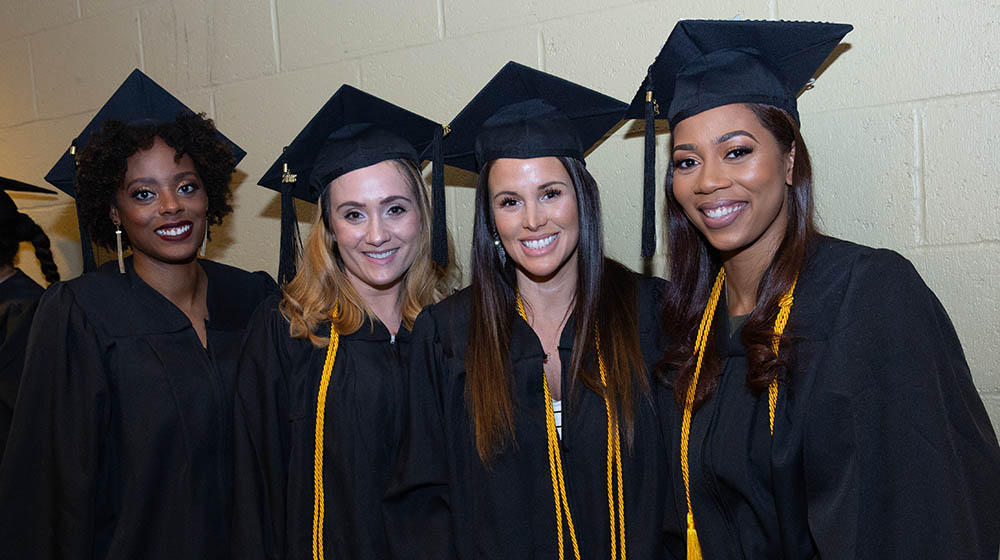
(900, 125)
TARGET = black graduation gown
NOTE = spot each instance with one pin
(277, 389)
(18, 299)
(120, 445)
(444, 503)
(882, 448)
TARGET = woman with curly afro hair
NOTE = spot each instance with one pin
(120, 443)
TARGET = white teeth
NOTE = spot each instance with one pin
(539, 243)
(384, 255)
(722, 211)
(174, 231)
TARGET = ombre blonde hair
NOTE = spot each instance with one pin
(321, 285)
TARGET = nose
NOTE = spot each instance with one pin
(534, 216)
(712, 178)
(376, 233)
(170, 203)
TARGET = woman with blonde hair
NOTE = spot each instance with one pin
(320, 391)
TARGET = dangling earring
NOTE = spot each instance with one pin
(204, 243)
(118, 244)
(501, 253)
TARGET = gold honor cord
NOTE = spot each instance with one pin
(784, 308)
(556, 471)
(318, 498)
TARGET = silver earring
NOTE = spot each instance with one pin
(501, 253)
(204, 243)
(118, 244)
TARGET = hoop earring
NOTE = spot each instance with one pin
(118, 244)
(501, 253)
(204, 243)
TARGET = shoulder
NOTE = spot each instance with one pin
(20, 287)
(93, 291)
(234, 293)
(852, 281)
(256, 285)
(836, 262)
(446, 321)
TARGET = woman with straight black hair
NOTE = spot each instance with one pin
(817, 399)
(531, 429)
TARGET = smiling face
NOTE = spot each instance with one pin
(375, 219)
(162, 205)
(536, 214)
(730, 177)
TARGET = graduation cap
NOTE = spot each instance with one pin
(526, 113)
(706, 64)
(138, 100)
(353, 130)
(7, 207)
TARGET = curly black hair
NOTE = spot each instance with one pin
(102, 163)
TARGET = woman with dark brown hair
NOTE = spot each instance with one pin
(818, 401)
(531, 428)
(120, 445)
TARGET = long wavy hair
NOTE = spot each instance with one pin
(321, 284)
(21, 227)
(605, 301)
(694, 265)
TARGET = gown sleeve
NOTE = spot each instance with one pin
(260, 440)
(51, 465)
(900, 457)
(416, 506)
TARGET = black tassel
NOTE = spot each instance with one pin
(649, 179)
(87, 251)
(439, 236)
(290, 241)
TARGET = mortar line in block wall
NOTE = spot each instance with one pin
(275, 36)
(142, 52)
(441, 22)
(930, 247)
(919, 192)
(541, 49)
(904, 103)
(31, 74)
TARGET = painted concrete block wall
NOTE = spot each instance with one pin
(899, 124)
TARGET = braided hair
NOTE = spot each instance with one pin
(20, 227)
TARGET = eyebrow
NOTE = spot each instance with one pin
(719, 140)
(152, 180)
(383, 202)
(541, 187)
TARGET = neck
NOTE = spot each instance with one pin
(182, 283)
(385, 303)
(6, 272)
(556, 292)
(744, 271)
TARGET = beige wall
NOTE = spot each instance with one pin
(901, 126)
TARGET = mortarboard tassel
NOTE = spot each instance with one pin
(648, 177)
(693, 546)
(290, 240)
(439, 235)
